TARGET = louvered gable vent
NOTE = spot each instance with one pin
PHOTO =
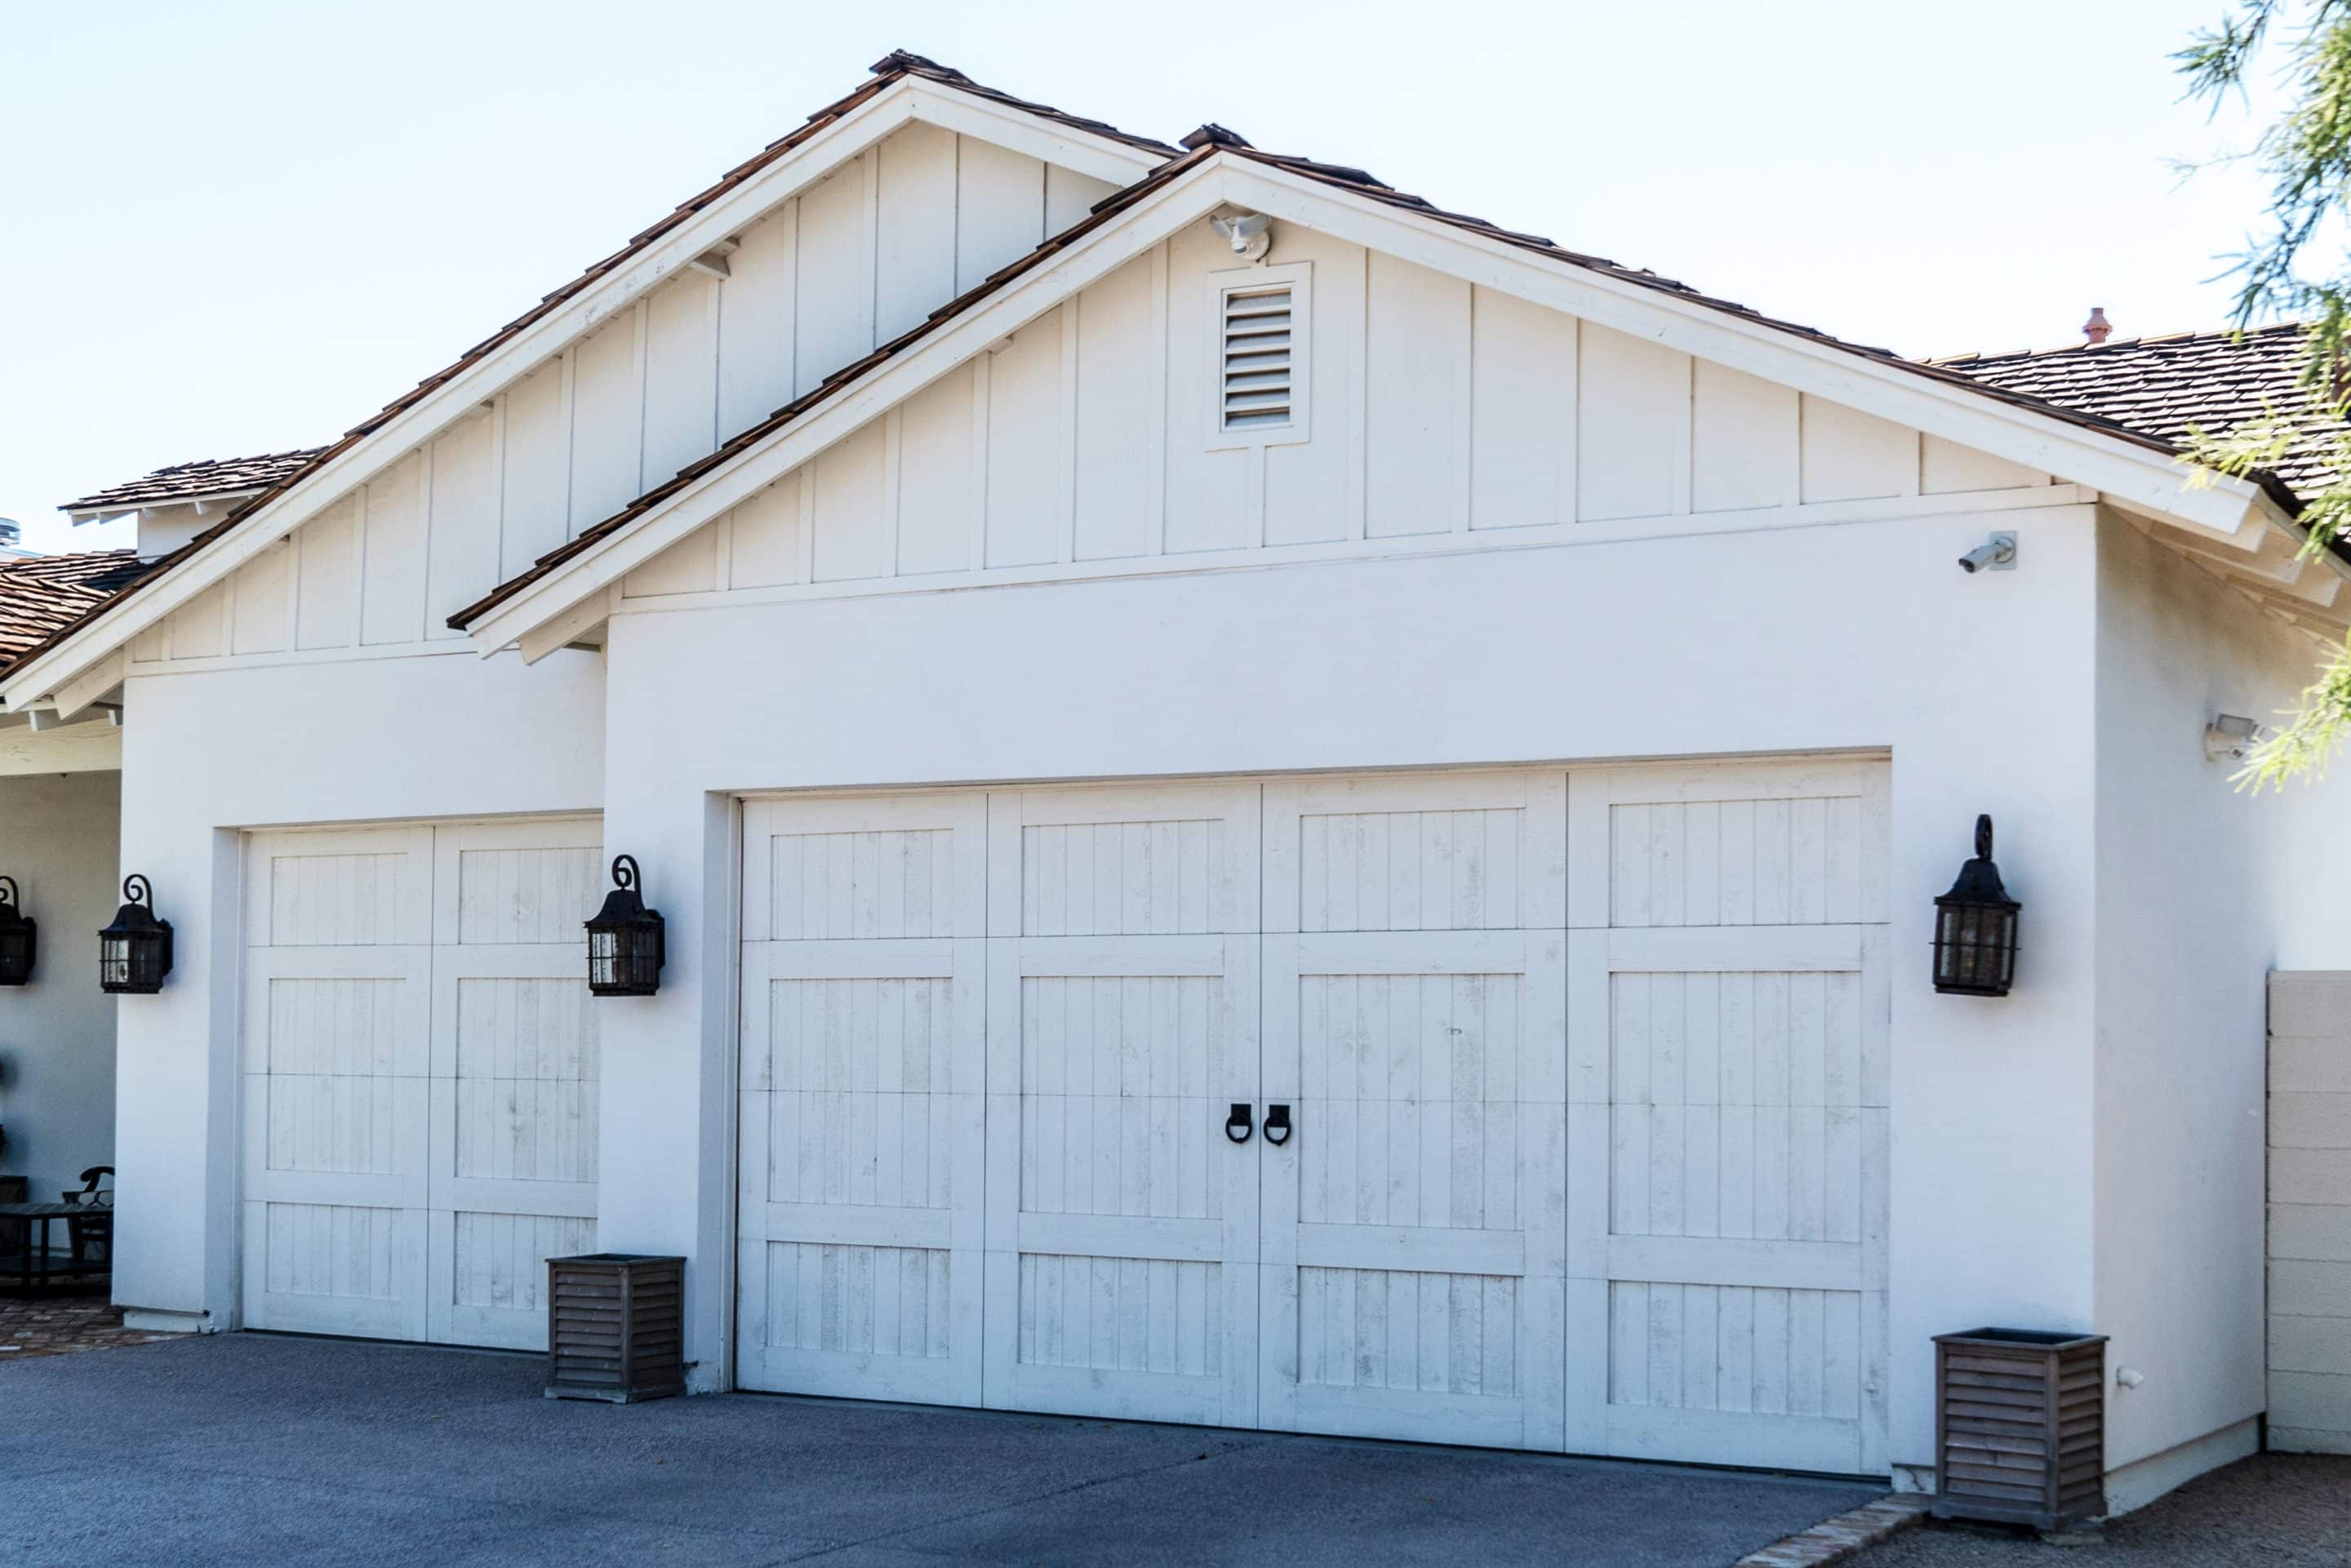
(1256, 363)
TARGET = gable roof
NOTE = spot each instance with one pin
(42, 594)
(898, 66)
(2163, 387)
(206, 477)
(1210, 139)
(1200, 145)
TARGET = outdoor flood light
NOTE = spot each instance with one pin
(626, 946)
(17, 934)
(134, 954)
(1975, 927)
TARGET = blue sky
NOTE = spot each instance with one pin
(239, 227)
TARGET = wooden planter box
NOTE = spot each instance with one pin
(2021, 1427)
(615, 1327)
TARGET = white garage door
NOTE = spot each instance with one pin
(993, 1041)
(1728, 1078)
(419, 1055)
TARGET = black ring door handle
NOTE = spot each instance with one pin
(1276, 1125)
(1237, 1123)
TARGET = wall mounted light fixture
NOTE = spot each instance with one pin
(626, 947)
(134, 954)
(1975, 927)
(16, 936)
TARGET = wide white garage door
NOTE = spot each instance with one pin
(419, 1056)
(1579, 1151)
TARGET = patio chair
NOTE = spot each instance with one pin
(91, 1234)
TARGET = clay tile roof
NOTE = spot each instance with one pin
(46, 593)
(188, 481)
(2213, 381)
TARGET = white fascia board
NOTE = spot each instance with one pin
(907, 99)
(1980, 420)
(1050, 141)
(519, 620)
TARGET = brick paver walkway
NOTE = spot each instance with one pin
(59, 1325)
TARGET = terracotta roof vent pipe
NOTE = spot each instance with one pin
(2097, 329)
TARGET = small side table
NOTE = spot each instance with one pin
(31, 1268)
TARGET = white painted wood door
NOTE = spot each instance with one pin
(1415, 1019)
(862, 1184)
(1122, 1024)
(337, 1058)
(515, 1091)
(419, 1056)
(1728, 1085)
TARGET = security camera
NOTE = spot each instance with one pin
(2232, 736)
(1997, 554)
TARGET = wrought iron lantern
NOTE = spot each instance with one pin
(1975, 927)
(625, 945)
(134, 954)
(17, 934)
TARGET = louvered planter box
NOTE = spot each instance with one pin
(2021, 1427)
(615, 1327)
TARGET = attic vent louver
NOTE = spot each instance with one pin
(1257, 359)
(1261, 355)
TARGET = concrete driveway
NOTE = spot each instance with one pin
(245, 1449)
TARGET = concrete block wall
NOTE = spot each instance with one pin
(2309, 1212)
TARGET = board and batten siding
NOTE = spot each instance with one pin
(852, 261)
(2310, 1213)
(1436, 407)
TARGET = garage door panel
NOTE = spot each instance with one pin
(367, 887)
(1412, 1241)
(861, 1117)
(1438, 852)
(1122, 991)
(1727, 1186)
(334, 1269)
(421, 1107)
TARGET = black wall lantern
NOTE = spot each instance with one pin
(624, 941)
(16, 935)
(134, 954)
(1975, 927)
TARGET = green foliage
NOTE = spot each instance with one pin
(2305, 152)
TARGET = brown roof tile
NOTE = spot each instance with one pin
(2211, 381)
(207, 476)
(43, 594)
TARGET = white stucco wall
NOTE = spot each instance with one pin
(1859, 636)
(57, 835)
(2202, 888)
(207, 754)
